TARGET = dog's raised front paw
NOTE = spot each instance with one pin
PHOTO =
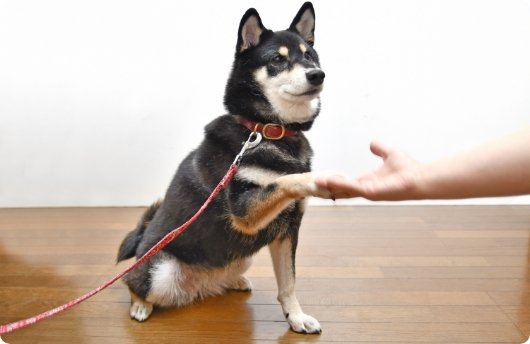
(303, 323)
(301, 185)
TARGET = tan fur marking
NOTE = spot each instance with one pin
(303, 48)
(135, 298)
(284, 51)
(261, 213)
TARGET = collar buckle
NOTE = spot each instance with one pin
(270, 131)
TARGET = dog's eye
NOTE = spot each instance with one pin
(308, 56)
(278, 59)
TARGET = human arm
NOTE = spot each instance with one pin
(497, 168)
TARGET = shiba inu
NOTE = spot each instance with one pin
(274, 89)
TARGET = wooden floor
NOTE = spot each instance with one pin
(429, 274)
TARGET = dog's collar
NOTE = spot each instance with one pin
(271, 131)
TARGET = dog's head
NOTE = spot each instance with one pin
(276, 76)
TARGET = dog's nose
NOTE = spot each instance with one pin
(315, 77)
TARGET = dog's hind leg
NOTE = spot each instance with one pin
(282, 253)
(139, 283)
(140, 309)
(240, 284)
(235, 279)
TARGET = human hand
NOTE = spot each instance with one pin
(396, 179)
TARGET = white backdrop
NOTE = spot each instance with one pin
(100, 100)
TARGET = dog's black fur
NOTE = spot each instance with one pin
(263, 205)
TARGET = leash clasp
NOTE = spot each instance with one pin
(253, 140)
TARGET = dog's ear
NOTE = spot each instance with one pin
(250, 30)
(304, 23)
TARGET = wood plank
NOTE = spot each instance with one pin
(397, 274)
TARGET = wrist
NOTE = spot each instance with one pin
(422, 183)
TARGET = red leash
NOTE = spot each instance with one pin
(252, 141)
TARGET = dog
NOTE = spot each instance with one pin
(274, 88)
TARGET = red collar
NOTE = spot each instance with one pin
(271, 131)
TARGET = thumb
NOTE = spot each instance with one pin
(380, 149)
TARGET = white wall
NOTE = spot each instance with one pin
(100, 100)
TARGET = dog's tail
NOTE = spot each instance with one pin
(132, 240)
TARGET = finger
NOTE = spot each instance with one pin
(334, 184)
(342, 187)
(324, 180)
(380, 149)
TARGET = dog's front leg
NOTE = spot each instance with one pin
(282, 253)
(254, 206)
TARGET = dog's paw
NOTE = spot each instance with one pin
(241, 284)
(141, 310)
(303, 323)
(320, 189)
(301, 185)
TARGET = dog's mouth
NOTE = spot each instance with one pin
(311, 92)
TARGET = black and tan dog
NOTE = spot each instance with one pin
(273, 88)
